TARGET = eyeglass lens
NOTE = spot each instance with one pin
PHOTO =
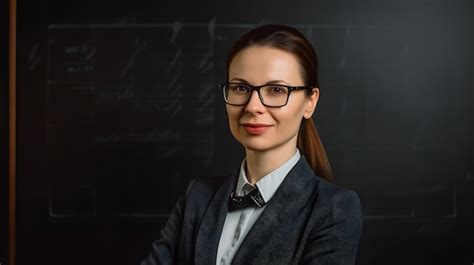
(271, 95)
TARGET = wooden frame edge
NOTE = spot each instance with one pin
(12, 133)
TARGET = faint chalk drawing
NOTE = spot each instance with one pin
(176, 29)
(34, 56)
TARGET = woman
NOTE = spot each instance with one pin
(281, 207)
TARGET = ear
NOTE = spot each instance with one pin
(311, 103)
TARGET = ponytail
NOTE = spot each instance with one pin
(311, 147)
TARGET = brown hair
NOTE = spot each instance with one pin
(291, 40)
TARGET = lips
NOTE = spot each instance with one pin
(255, 128)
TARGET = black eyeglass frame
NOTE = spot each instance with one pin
(252, 88)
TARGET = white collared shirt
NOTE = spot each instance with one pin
(238, 223)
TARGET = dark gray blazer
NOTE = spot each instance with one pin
(307, 221)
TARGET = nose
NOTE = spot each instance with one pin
(254, 104)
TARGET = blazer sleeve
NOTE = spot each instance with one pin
(335, 240)
(165, 248)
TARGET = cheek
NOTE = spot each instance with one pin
(290, 118)
(232, 116)
(290, 124)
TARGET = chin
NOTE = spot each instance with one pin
(258, 145)
(265, 143)
(254, 145)
(256, 148)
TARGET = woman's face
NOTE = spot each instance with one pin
(260, 65)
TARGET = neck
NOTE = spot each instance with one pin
(260, 163)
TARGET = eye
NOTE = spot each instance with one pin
(242, 88)
(239, 88)
(277, 90)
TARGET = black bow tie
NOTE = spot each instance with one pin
(252, 199)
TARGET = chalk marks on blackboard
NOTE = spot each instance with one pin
(176, 29)
(34, 56)
(176, 57)
(347, 35)
(436, 201)
(151, 92)
(67, 201)
(139, 46)
(71, 60)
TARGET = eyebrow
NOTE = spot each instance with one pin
(268, 82)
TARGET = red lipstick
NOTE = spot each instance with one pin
(255, 128)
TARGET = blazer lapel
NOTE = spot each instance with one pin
(210, 229)
(287, 201)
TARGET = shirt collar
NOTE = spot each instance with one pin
(269, 183)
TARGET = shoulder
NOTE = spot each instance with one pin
(325, 195)
(339, 208)
(326, 201)
(335, 225)
(336, 197)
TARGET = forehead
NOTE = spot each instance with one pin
(259, 64)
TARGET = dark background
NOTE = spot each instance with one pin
(118, 109)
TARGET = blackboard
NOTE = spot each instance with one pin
(119, 108)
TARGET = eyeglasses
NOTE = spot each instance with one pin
(271, 95)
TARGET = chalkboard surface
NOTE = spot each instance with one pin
(119, 108)
(125, 94)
